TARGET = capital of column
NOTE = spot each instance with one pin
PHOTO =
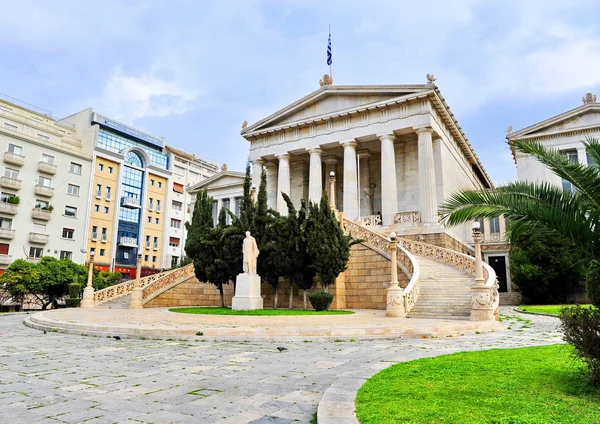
(424, 130)
(349, 143)
(363, 154)
(284, 156)
(258, 162)
(269, 164)
(315, 150)
(331, 160)
(389, 136)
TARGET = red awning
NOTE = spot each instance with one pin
(178, 187)
(173, 240)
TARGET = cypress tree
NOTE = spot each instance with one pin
(197, 243)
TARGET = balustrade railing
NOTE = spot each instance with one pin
(371, 220)
(407, 217)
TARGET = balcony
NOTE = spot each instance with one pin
(130, 202)
(147, 245)
(7, 233)
(128, 242)
(41, 190)
(8, 208)
(5, 259)
(43, 214)
(47, 168)
(94, 236)
(7, 182)
(158, 208)
(39, 238)
(150, 206)
(155, 246)
(14, 159)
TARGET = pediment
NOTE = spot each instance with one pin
(583, 117)
(330, 100)
(225, 178)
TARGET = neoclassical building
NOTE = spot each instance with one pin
(396, 151)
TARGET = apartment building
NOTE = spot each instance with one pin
(188, 169)
(44, 188)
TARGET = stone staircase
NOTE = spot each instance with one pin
(116, 303)
(445, 292)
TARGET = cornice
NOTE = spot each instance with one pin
(47, 145)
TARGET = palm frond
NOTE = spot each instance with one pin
(592, 146)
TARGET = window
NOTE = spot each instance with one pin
(156, 220)
(66, 254)
(11, 173)
(178, 188)
(110, 169)
(106, 209)
(36, 252)
(173, 242)
(5, 196)
(570, 155)
(42, 204)
(71, 211)
(94, 232)
(157, 205)
(43, 137)
(147, 242)
(155, 242)
(149, 219)
(153, 258)
(150, 203)
(178, 170)
(160, 184)
(93, 250)
(494, 225)
(146, 257)
(125, 255)
(102, 252)
(67, 233)
(75, 168)
(176, 206)
(152, 182)
(96, 208)
(174, 261)
(4, 248)
(17, 150)
(100, 167)
(132, 158)
(47, 159)
(98, 190)
(590, 159)
(175, 223)
(73, 189)
(44, 182)
(238, 205)
(5, 223)
(108, 193)
(10, 126)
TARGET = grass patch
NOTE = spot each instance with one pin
(547, 309)
(258, 312)
(534, 385)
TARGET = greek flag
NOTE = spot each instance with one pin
(329, 61)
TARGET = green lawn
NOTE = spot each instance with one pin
(546, 309)
(535, 385)
(258, 312)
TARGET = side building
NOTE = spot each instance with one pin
(129, 194)
(44, 186)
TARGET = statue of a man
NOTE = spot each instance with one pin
(251, 252)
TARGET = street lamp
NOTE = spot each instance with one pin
(395, 301)
(332, 190)
(136, 293)
(477, 236)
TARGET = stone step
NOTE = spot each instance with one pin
(117, 303)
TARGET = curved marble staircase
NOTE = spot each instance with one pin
(121, 302)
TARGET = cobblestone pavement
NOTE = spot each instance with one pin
(54, 377)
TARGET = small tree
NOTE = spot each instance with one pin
(22, 278)
(327, 245)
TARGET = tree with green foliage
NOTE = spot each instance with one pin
(104, 279)
(541, 207)
(22, 278)
(327, 245)
(546, 269)
(275, 252)
(202, 222)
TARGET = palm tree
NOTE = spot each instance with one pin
(539, 206)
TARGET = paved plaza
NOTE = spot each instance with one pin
(55, 377)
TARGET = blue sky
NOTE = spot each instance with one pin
(192, 71)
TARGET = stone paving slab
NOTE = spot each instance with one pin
(43, 377)
(160, 323)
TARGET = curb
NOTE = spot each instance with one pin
(535, 313)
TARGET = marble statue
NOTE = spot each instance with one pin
(251, 252)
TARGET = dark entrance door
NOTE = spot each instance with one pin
(498, 263)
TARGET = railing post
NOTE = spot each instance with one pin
(395, 301)
(482, 297)
(136, 294)
(88, 293)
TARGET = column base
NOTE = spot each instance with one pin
(88, 298)
(136, 299)
(482, 301)
(395, 302)
(247, 293)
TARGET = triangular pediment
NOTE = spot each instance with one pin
(224, 178)
(584, 117)
(331, 100)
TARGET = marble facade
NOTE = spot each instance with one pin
(397, 151)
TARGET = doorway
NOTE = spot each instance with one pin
(498, 264)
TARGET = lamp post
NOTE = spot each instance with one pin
(332, 190)
(88, 293)
(395, 300)
(477, 236)
(136, 293)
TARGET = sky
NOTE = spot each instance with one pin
(193, 70)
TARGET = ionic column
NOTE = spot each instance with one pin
(350, 180)
(330, 164)
(364, 197)
(271, 185)
(389, 186)
(257, 167)
(427, 190)
(283, 182)
(315, 176)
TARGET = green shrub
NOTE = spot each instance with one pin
(74, 290)
(14, 200)
(72, 303)
(592, 283)
(320, 301)
(581, 328)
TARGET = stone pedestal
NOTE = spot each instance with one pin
(136, 298)
(482, 303)
(247, 293)
(88, 297)
(395, 302)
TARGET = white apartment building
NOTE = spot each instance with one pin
(188, 170)
(44, 188)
